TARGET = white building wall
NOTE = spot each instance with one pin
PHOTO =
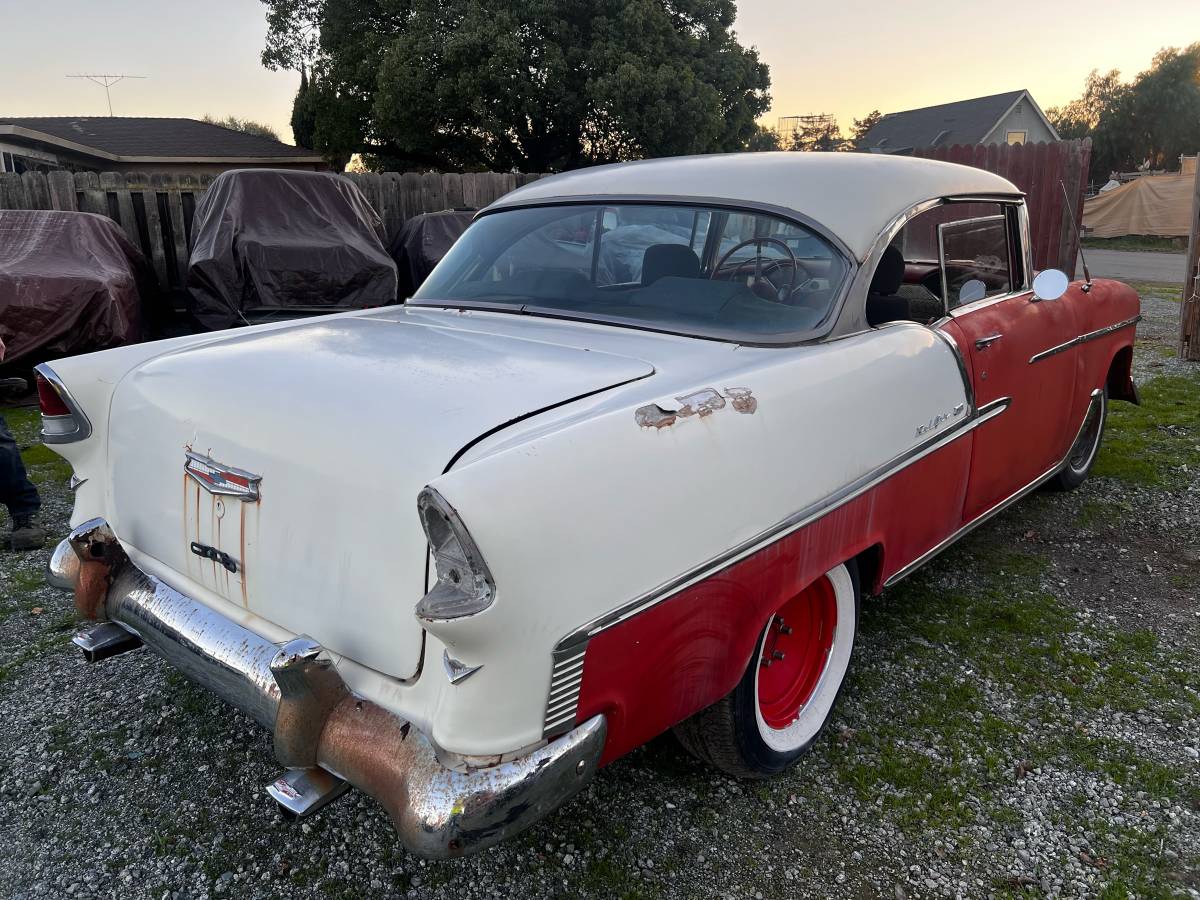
(1022, 117)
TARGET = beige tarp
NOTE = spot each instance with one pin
(1159, 205)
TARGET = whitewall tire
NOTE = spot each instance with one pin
(787, 694)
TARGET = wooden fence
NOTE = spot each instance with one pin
(1041, 171)
(155, 211)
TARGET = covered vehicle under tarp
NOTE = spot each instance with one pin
(70, 282)
(1158, 205)
(268, 243)
(421, 243)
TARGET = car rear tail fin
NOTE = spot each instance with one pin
(63, 421)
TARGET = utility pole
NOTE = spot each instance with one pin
(1189, 312)
(106, 82)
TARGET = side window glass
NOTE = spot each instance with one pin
(975, 259)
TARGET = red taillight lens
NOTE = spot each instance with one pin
(48, 399)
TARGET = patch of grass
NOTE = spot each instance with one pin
(1023, 670)
(1137, 243)
(45, 465)
(1099, 513)
(1164, 290)
(608, 878)
(1152, 444)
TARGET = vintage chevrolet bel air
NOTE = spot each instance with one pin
(626, 462)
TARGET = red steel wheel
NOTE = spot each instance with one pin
(787, 693)
(795, 650)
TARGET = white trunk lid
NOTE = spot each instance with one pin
(344, 421)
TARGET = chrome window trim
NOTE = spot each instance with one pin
(845, 326)
(986, 302)
(794, 522)
(83, 429)
(1003, 217)
(1084, 338)
(998, 508)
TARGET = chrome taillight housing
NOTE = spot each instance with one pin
(464, 585)
(62, 419)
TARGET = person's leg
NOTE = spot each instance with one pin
(18, 494)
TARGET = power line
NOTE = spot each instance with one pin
(106, 82)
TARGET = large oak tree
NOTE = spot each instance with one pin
(530, 85)
(1148, 122)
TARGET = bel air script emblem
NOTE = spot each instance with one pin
(939, 420)
(217, 478)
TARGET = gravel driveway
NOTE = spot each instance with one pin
(1023, 720)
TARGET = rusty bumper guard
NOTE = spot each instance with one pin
(324, 734)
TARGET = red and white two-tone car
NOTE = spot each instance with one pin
(626, 462)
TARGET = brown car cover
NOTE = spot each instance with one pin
(267, 242)
(68, 284)
(421, 243)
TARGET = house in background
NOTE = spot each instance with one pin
(1010, 118)
(135, 144)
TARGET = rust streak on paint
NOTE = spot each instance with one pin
(242, 557)
(187, 557)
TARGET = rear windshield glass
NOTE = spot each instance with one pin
(692, 270)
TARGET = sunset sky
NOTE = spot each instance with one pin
(845, 58)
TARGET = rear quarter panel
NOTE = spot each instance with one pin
(580, 521)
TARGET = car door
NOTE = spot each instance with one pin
(996, 320)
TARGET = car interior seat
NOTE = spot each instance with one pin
(661, 260)
(883, 302)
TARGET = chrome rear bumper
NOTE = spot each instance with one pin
(295, 691)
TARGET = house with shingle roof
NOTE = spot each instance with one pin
(140, 144)
(1010, 118)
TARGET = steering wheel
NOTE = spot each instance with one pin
(759, 275)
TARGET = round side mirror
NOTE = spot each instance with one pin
(1050, 284)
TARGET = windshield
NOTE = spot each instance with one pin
(686, 269)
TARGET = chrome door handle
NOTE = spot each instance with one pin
(984, 342)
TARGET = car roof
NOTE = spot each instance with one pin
(852, 195)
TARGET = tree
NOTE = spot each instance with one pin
(820, 133)
(1146, 123)
(304, 114)
(509, 84)
(247, 126)
(858, 131)
(763, 139)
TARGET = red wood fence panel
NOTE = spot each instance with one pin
(1041, 171)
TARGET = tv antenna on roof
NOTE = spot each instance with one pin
(106, 82)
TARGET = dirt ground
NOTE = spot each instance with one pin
(1023, 719)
